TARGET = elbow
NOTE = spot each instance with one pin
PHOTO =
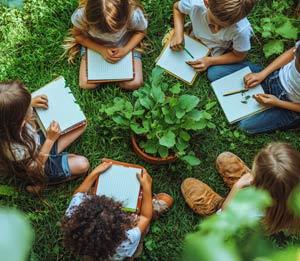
(240, 56)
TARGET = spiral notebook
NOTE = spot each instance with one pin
(120, 182)
(175, 62)
(62, 107)
(99, 70)
(240, 105)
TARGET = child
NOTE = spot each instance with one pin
(222, 26)
(281, 83)
(113, 28)
(26, 153)
(97, 228)
(275, 169)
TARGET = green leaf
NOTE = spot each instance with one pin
(210, 105)
(150, 147)
(168, 140)
(273, 47)
(211, 125)
(188, 102)
(176, 89)
(138, 112)
(194, 125)
(196, 115)
(191, 160)
(156, 75)
(287, 30)
(184, 135)
(158, 94)
(179, 112)
(294, 201)
(8, 191)
(136, 128)
(163, 151)
(181, 144)
(146, 102)
(120, 120)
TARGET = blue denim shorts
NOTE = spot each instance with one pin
(136, 54)
(57, 166)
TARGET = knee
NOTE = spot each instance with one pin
(83, 164)
(247, 126)
(213, 73)
(132, 85)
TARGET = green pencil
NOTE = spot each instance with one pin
(188, 53)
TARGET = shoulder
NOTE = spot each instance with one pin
(76, 200)
(138, 20)
(187, 6)
(242, 26)
(78, 18)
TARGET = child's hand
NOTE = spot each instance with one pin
(53, 132)
(266, 99)
(200, 65)
(119, 53)
(102, 167)
(145, 180)
(108, 55)
(177, 42)
(253, 79)
(40, 101)
(245, 181)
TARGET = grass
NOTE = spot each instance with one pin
(30, 46)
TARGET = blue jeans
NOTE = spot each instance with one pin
(274, 118)
(219, 71)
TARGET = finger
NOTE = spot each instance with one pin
(194, 62)
(198, 66)
(42, 105)
(139, 176)
(201, 70)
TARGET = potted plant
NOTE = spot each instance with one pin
(161, 120)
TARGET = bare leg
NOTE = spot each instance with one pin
(67, 139)
(78, 165)
(137, 82)
(83, 76)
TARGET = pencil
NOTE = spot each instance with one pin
(188, 53)
(235, 92)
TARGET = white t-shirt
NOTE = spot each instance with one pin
(128, 247)
(138, 22)
(19, 151)
(290, 79)
(236, 36)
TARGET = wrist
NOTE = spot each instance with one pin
(209, 61)
(50, 140)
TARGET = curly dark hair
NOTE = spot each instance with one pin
(96, 227)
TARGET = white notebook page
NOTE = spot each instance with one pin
(232, 105)
(62, 106)
(121, 184)
(175, 62)
(101, 70)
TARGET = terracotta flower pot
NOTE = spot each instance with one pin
(148, 158)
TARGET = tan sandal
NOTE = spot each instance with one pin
(161, 203)
(200, 197)
(231, 168)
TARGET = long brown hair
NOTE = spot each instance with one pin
(107, 16)
(276, 170)
(14, 106)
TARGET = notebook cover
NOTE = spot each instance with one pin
(140, 197)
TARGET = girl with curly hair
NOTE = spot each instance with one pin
(112, 28)
(96, 227)
(26, 152)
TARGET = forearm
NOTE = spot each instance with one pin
(135, 40)
(178, 19)
(45, 150)
(227, 58)
(87, 42)
(279, 62)
(88, 182)
(147, 209)
(288, 105)
(235, 189)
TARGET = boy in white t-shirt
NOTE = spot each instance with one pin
(222, 26)
(281, 83)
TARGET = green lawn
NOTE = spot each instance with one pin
(30, 50)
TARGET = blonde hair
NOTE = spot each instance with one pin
(231, 11)
(276, 170)
(107, 16)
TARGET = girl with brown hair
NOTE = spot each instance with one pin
(25, 152)
(275, 169)
(112, 28)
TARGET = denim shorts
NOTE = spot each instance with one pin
(56, 167)
(136, 54)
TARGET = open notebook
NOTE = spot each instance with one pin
(175, 62)
(120, 183)
(241, 105)
(62, 107)
(99, 70)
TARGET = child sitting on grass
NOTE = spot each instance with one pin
(275, 169)
(96, 227)
(112, 28)
(222, 26)
(281, 83)
(25, 152)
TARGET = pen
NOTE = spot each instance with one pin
(188, 53)
(235, 92)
